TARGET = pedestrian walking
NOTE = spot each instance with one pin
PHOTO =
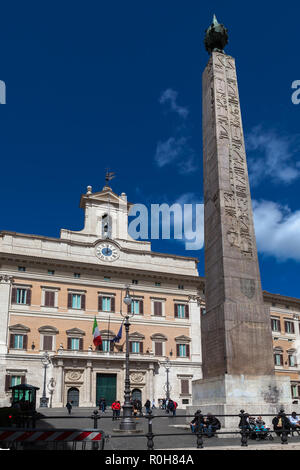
(153, 404)
(69, 406)
(147, 406)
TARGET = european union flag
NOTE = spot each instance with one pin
(117, 338)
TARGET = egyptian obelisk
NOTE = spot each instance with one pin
(237, 347)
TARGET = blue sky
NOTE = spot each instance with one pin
(117, 84)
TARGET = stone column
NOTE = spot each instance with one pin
(5, 287)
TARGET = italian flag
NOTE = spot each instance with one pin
(96, 333)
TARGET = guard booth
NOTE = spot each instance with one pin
(24, 397)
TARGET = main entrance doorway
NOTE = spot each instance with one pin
(106, 387)
(136, 394)
(73, 396)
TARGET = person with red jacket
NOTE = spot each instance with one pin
(116, 407)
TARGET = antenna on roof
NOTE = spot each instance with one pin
(109, 175)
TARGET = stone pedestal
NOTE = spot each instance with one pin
(229, 394)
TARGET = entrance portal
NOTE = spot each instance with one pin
(73, 396)
(136, 394)
(106, 387)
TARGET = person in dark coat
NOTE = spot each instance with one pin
(280, 423)
(212, 424)
(69, 406)
(147, 406)
(197, 422)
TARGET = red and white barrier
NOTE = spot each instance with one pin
(38, 435)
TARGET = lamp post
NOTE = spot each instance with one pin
(45, 361)
(127, 423)
(167, 366)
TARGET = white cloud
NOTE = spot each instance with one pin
(169, 97)
(272, 156)
(277, 230)
(178, 151)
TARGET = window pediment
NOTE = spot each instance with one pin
(48, 329)
(18, 328)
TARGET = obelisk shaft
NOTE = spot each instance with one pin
(236, 331)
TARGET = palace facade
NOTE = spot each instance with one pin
(51, 290)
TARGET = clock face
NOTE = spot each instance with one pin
(107, 251)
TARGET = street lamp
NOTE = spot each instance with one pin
(167, 366)
(127, 423)
(45, 361)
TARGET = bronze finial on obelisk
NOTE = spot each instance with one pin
(216, 37)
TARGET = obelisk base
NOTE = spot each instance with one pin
(228, 395)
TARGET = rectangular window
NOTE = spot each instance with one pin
(180, 311)
(49, 298)
(275, 324)
(292, 360)
(157, 308)
(185, 387)
(203, 311)
(278, 358)
(135, 347)
(106, 304)
(47, 343)
(15, 380)
(158, 349)
(22, 296)
(106, 278)
(75, 344)
(289, 327)
(76, 301)
(135, 307)
(77, 275)
(294, 391)
(134, 281)
(106, 345)
(157, 284)
(183, 350)
(181, 287)
(51, 272)
(18, 341)
(21, 268)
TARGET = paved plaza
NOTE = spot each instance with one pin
(182, 438)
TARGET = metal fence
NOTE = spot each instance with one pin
(94, 439)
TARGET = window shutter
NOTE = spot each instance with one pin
(69, 300)
(292, 325)
(69, 343)
(83, 302)
(141, 305)
(28, 297)
(158, 349)
(177, 350)
(187, 312)
(23, 379)
(100, 303)
(14, 295)
(129, 308)
(141, 347)
(281, 359)
(47, 343)
(49, 298)
(25, 342)
(185, 387)
(158, 309)
(7, 382)
(112, 304)
(12, 341)
(130, 346)
(298, 390)
(175, 310)
(81, 344)
(187, 350)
